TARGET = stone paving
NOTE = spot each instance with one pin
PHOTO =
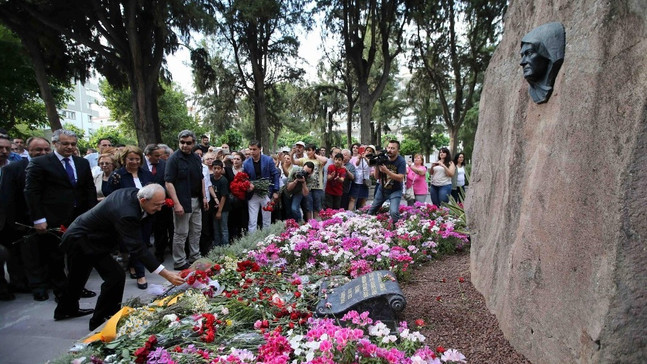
(29, 334)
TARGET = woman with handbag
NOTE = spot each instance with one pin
(416, 184)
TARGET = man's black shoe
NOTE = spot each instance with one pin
(86, 293)
(62, 315)
(183, 267)
(41, 296)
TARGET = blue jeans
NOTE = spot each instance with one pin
(220, 229)
(298, 201)
(394, 198)
(440, 194)
(317, 197)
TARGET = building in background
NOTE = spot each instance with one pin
(83, 110)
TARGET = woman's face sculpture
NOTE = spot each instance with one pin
(534, 65)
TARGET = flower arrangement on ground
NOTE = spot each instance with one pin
(258, 308)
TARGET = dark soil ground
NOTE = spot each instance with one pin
(441, 293)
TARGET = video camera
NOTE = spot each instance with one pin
(377, 159)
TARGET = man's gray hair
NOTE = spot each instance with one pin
(57, 134)
(147, 192)
(166, 148)
(346, 151)
(186, 134)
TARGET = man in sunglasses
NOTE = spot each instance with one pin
(185, 186)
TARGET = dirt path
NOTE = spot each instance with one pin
(455, 312)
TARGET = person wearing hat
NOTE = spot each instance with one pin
(298, 150)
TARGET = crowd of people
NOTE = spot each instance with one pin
(212, 195)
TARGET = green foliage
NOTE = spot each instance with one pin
(263, 44)
(240, 247)
(409, 147)
(232, 137)
(452, 46)
(173, 113)
(427, 127)
(20, 102)
(116, 136)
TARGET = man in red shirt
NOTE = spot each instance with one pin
(335, 182)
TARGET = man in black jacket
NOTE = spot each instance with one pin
(58, 188)
(91, 238)
(14, 209)
(163, 220)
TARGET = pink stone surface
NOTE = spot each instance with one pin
(557, 203)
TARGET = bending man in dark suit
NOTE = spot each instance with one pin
(58, 188)
(91, 238)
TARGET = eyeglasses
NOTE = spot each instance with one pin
(67, 144)
(187, 143)
(104, 163)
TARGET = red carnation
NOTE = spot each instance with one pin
(168, 202)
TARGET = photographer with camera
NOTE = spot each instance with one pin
(297, 186)
(316, 187)
(390, 170)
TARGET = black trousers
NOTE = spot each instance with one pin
(44, 263)
(80, 264)
(163, 231)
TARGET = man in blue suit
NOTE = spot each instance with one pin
(260, 166)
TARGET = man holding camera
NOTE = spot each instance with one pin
(390, 170)
(297, 186)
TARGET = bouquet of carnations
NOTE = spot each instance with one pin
(241, 183)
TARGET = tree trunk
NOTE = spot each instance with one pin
(260, 119)
(144, 96)
(453, 139)
(43, 82)
(365, 110)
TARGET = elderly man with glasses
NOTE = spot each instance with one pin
(185, 186)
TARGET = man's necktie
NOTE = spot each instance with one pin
(154, 169)
(70, 171)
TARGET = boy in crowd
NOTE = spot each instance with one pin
(334, 186)
(221, 196)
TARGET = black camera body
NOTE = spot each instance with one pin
(377, 159)
(301, 174)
